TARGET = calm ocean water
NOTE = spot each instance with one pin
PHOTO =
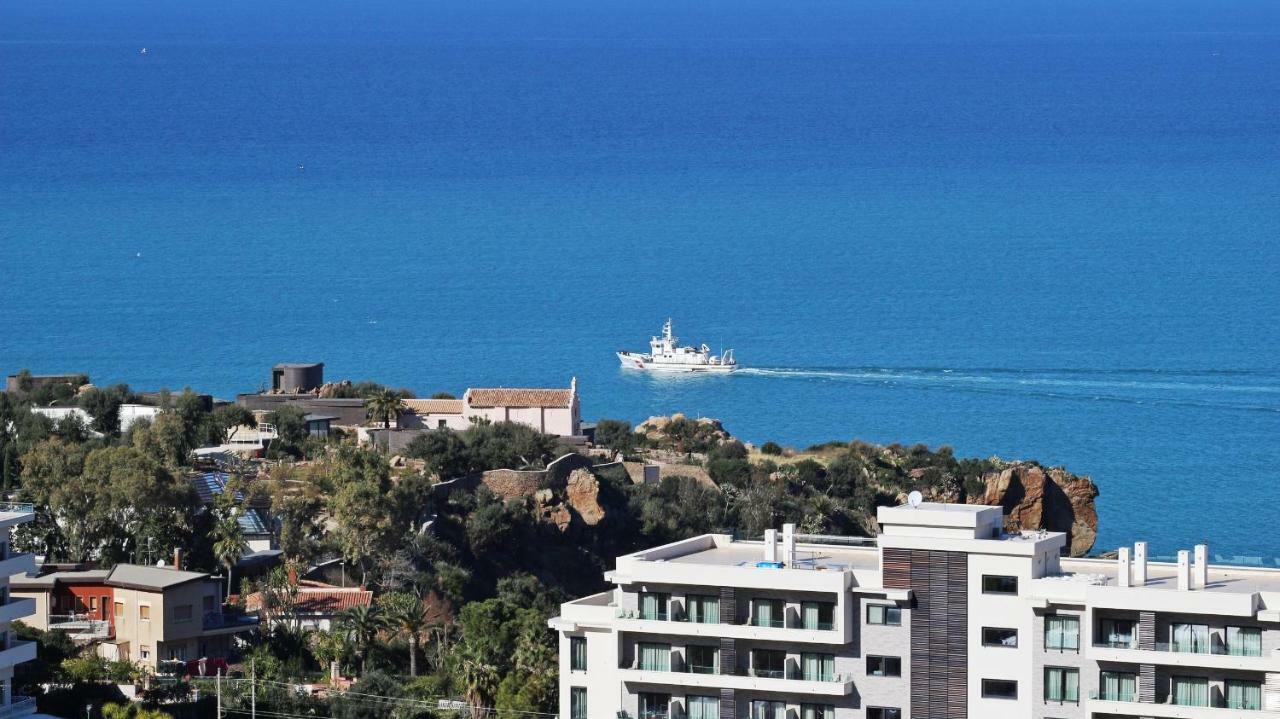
(1046, 230)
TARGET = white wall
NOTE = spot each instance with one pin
(1005, 611)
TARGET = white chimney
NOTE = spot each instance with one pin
(1184, 570)
(770, 545)
(1200, 574)
(1123, 574)
(789, 544)
(1139, 564)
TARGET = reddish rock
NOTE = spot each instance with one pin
(1053, 499)
(582, 493)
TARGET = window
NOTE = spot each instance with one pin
(1244, 641)
(93, 604)
(768, 710)
(817, 615)
(703, 707)
(1062, 633)
(442, 424)
(1191, 691)
(1117, 633)
(817, 667)
(182, 613)
(1242, 694)
(653, 605)
(703, 609)
(999, 637)
(884, 713)
(577, 654)
(1193, 638)
(884, 614)
(178, 653)
(766, 612)
(817, 711)
(144, 612)
(655, 706)
(1117, 686)
(577, 703)
(1061, 685)
(703, 660)
(768, 663)
(654, 657)
(999, 584)
(884, 666)
(119, 610)
(999, 689)
(144, 652)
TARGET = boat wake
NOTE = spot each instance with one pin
(1245, 390)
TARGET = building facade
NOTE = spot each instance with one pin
(550, 411)
(943, 615)
(13, 608)
(136, 613)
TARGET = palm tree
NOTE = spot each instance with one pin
(229, 545)
(407, 614)
(362, 624)
(385, 405)
(479, 678)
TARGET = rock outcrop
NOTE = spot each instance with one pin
(1037, 498)
(582, 493)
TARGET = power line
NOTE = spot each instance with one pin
(429, 702)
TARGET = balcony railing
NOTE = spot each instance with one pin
(1113, 696)
(219, 620)
(80, 626)
(19, 706)
(772, 623)
(1212, 648)
(653, 616)
(1116, 644)
(17, 508)
(701, 669)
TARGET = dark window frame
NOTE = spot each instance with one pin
(575, 642)
(883, 660)
(988, 580)
(1064, 670)
(987, 692)
(887, 609)
(1000, 645)
(883, 713)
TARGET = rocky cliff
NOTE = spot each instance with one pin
(1038, 498)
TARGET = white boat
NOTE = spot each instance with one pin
(666, 355)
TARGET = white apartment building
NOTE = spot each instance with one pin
(13, 651)
(943, 616)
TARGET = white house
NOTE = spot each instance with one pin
(551, 411)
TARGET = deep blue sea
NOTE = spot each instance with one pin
(1042, 229)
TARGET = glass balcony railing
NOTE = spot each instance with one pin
(701, 669)
(654, 616)
(773, 623)
(1116, 644)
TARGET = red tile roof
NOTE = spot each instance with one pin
(520, 397)
(434, 406)
(320, 599)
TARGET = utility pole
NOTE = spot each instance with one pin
(218, 682)
(253, 690)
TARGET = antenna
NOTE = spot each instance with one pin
(914, 499)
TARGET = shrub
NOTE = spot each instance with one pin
(772, 448)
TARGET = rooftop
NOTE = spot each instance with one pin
(499, 397)
(1164, 575)
(743, 553)
(434, 406)
(154, 578)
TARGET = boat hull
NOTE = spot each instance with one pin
(646, 364)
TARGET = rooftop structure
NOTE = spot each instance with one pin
(552, 411)
(944, 614)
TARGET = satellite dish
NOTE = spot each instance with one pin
(914, 499)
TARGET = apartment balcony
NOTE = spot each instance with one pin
(17, 608)
(20, 706)
(835, 686)
(1134, 708)
(18, 563)
(773, 631)
(81, 627)
(17, 653)
(1166, 654)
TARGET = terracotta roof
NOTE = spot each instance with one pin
(320, 600)
(434, 406)
(519, 397)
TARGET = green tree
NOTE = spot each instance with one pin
(385, 406)
(222, 420)
(444, 452)
(291, 425)
(103, 405)
(229, 544)
(406, 614)
(616, 435)
(164, 439)
(362, 623)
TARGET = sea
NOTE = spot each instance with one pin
(1040, 230)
